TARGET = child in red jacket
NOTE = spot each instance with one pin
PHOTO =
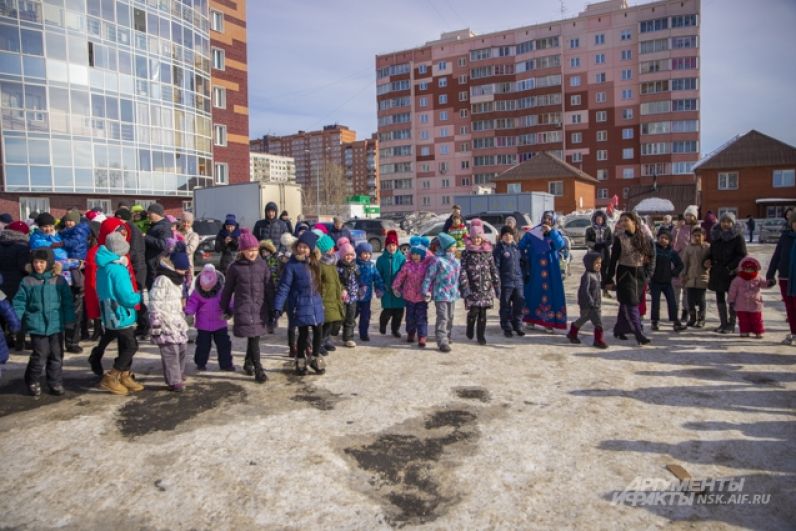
(746, 299)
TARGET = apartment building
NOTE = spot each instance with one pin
(272, 168)
(613, 91)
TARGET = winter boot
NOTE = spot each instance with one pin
(110, 382)
(599, 338)
(481, 330)
(318, 365)
(421, 342)
(722, 308)
(95, 360)
(700, 320)
(573, 334)
(507, 332)
(127, 379)
(692, 318)
(259, 375)
(248, 366)
(678, 326)
(470, 325)
(410, 337)
(684, 315)
(518, 330)
(655, 326)
(301, 366)
(731, 321)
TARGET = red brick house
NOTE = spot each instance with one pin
(751, 174)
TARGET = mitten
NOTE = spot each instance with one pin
(379, 293)
(428, 297)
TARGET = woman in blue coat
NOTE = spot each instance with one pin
(299, 295)
(545, 303)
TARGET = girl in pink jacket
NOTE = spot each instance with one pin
(407, 285)
(746, 298)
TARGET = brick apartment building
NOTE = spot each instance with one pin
(751, 174)
(613, 91)
(316, 152)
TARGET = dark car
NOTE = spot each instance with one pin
(207, 227)
(357, 236)
(206, 253)
(498, 219)
(375, 230)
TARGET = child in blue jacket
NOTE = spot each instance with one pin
(369, 278)
(75, 236)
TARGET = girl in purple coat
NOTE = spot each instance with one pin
(204, 305)
(407, 285)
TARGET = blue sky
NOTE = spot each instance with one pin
(311, 62)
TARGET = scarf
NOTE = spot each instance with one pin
(177, 278)
(235, 234)
(748, 275)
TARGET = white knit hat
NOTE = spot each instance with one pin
(693, 210)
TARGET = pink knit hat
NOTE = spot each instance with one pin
(208, 277)
(345, 247)
(247, 240)
(476, 228)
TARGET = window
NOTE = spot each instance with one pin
(599, 59)
(682, 21)
(218, 58)
(104, 204)
(443, 99)
(574, 81)
(626, 35)
(602, 174)
(422, 69)
(627, 74)
(602, 154)
(219, 97)
(217, 21)
(423, 85)
(627, 94)
(444, 132)
(574, 100)
(426, 200)
(684, 146)
(221, 172)
(682, 167)
(599, 77)
(684, 83)
(601, 116)
(599, 38)
(627, 55)
(685, 105)
(556, 188)
(424, 134)
(464, 95)
(445, 183)
(514, 188)
(574, 62)
(465, 164)
(576, 138)
(219, 135)
(728, 181)
(600, 97)
(443, 149)
(627, 153)
(657, 24)
(463, 113)
(442, 65)
(422, 101)
(462, 61)
(627, 114)
(577, 157)
(602, 136)
(576, 118)
(784, 178)
(627, 133)
(443, 115)
(33, 204)
(442, 82)
(628, 173)
(446, 200)
(424, 118)
(574, 43)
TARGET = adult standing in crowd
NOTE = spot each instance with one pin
(750, 227)
(156, 240)
(456, 210)
(599, 239)
(727, 249)
(271, 227)
(339, 230)
(545, 301)
(138, 261)
(227, 242)
(681, 238)
(14, 256)
(285, 217)
(185, 227)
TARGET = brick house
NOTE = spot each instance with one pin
(572, 188)
(751, 174)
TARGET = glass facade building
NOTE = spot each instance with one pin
(105, 96)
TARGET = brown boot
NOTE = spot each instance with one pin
(127, 379)
(110, 382)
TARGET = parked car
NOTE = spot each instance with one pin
(358, 236)
(491, 234)
(769, 230)
(498, 219)
(207, 227)
(375, 230)
(206, 253)
(575, 228)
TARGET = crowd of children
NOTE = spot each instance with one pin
(323, 287)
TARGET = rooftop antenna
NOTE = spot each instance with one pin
(563, 9)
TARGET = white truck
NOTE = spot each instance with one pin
(246, 200)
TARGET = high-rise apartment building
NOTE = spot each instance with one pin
(614, 91)
(110, 100)
(331, 153)
(271, 168)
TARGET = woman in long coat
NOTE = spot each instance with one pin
(545, 303)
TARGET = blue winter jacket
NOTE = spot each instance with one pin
(297, 296)
(76, 240)
(115, 291)
(9, 319)
(510, 265)
(368, 277)
(39, 240)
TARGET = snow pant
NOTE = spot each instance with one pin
(126, 343)
(304, 340)
(363, 309)
(751, 322)
(476, 317)
(291, 335)
(511, 303)
(253, 354)
(628, 321)
(47, 352)
(173, 357)
(444, 326)
(589, 314)
(204, 341)
(642, 306)
(329, 330)
(142, 320)
(72, 334)
(417, 318)
(726, 315)
(696, 299)
(671, 302)
(396, 314)
(790, 304)
(349, 320)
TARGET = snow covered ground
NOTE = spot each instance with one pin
(523, 433)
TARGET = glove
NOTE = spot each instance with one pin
(428, 297)
(190, 319)
(770, 283)
(397, 293)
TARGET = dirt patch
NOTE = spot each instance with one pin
(154, 411)
(315, 397)
(14, 396)
(409, 466)
(473, 393)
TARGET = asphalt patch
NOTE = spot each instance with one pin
(473, 393)
(315, 397)
(409, 467)
(14, 396)
(153, 411)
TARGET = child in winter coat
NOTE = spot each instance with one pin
(331, 292)
(388, 265)
(299, 294)
(204, 307)
(441, 284)
(249, 280)
(8, 320)
(227, 242)
(407, 285)
(668, 266)
(727, 249)
(352, 288)
(478, 280)
(368, 275)
(511, 268)
(168, 327)
(286, 243)
(590, 300)
(75, 236)
(694, 278)
(44, 304)
(268, 253)
(745, 298)
(458, 230)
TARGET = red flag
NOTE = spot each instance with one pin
(615, 200)
(610, 210)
